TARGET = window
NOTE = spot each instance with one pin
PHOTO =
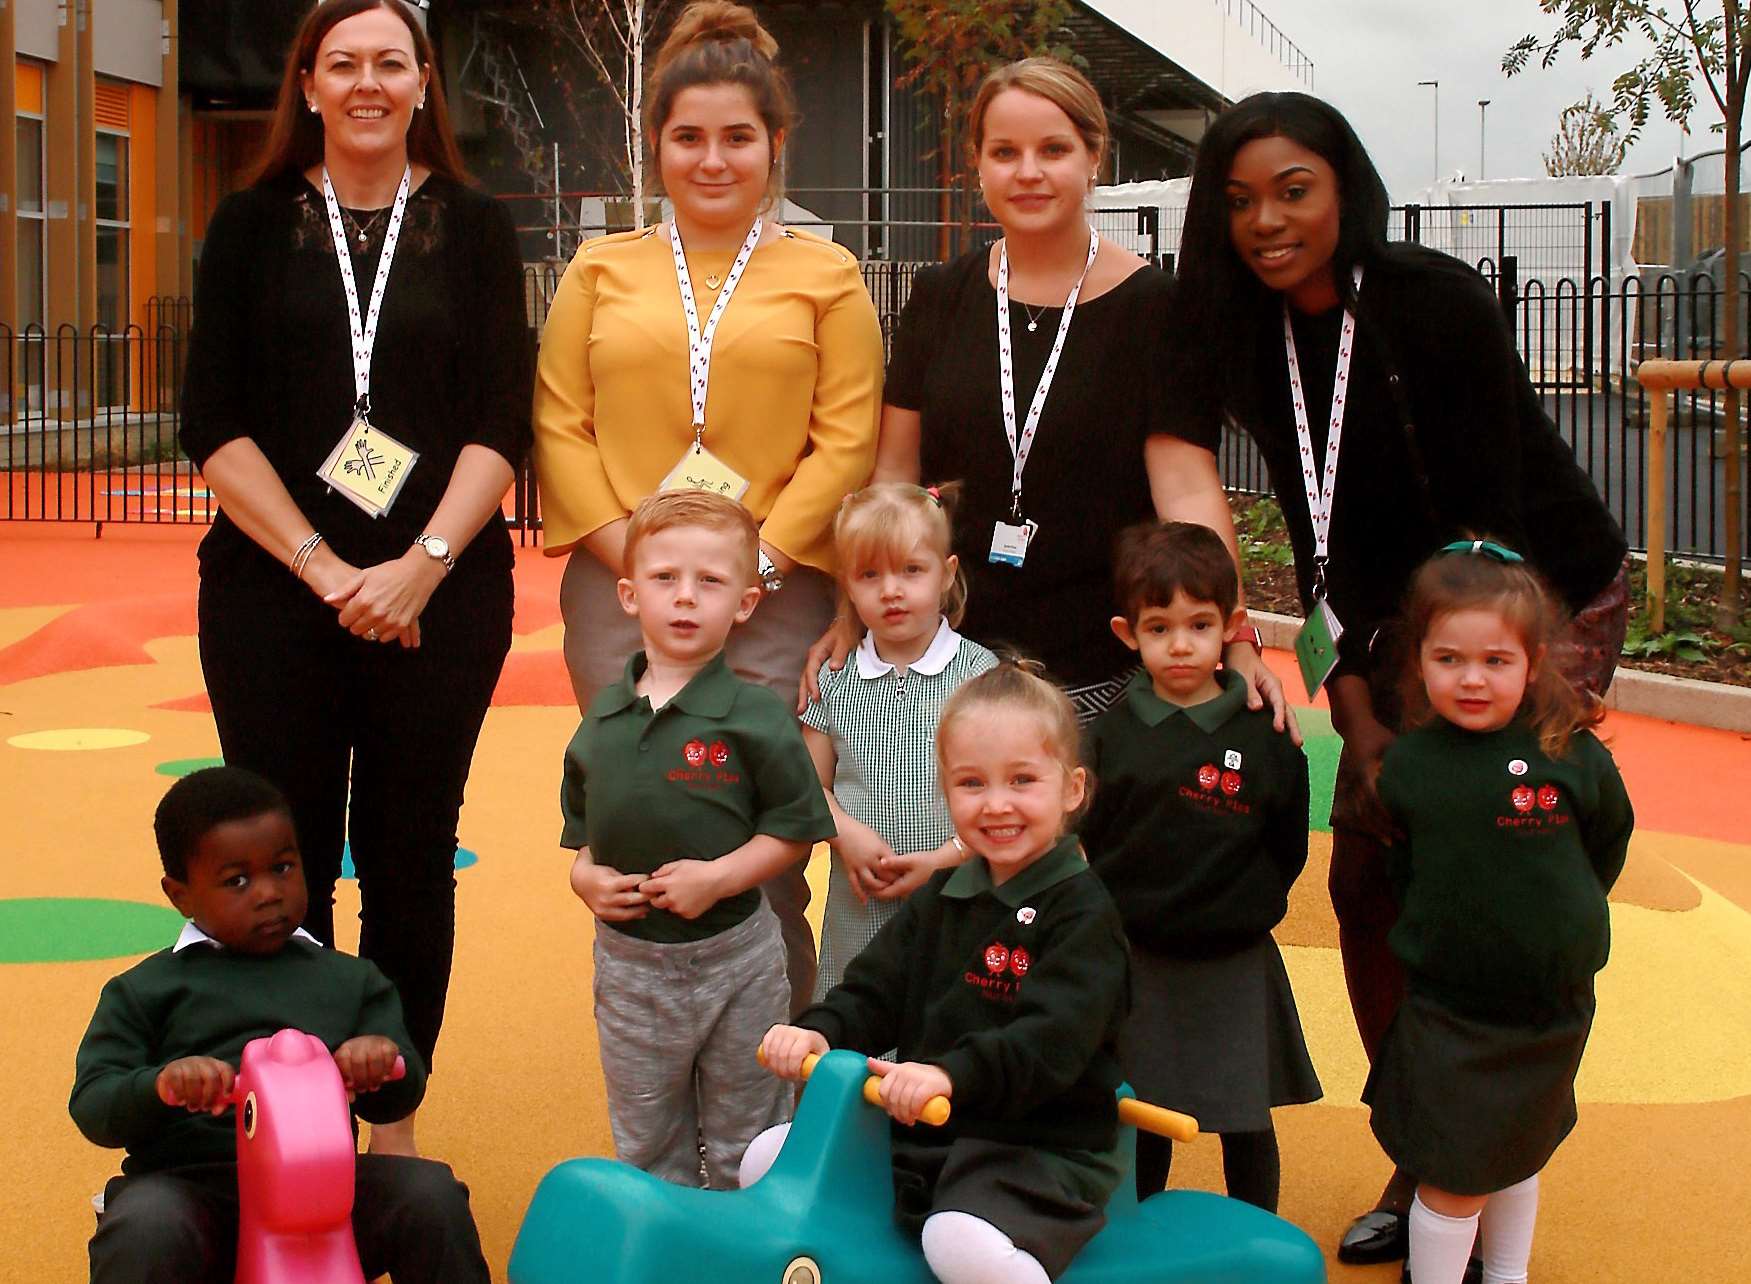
(114, 310)
(112, 178)
(30, 221)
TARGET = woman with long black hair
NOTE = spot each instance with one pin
(1381, 385)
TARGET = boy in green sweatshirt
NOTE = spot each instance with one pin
(158, 1060)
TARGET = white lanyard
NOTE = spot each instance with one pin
(1319, 500)
(364, 329)
(699, 341)
(1020, 444)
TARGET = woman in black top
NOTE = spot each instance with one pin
(1443, 435)
(372, 652)
(1101, 459)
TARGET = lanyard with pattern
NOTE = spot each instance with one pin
(364, 328)
(1023, 442)
(1319, 498)
(699, 341)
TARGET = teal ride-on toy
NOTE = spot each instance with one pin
(823, 1214)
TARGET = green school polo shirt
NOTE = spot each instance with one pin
(722, 761)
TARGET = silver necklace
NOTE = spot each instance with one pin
(362, 231)
(1033, 318)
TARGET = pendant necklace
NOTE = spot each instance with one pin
(1033, 318)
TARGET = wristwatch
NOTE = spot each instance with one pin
(771, 578)
(1249, 634)
(438, 549)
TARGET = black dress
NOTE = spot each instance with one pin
(296, 697)
(1084, 481)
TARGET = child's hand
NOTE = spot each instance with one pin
(684, 887)
(909, 871)
(367, 1062)
(612, 896)
(197, 1084)
(785, 1047)
(864, 854)
(907, 1086)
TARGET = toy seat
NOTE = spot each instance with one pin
(823, 1214)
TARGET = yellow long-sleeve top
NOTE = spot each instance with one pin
(793, 404)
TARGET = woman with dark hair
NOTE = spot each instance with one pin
(357, 398)
(1306, 328)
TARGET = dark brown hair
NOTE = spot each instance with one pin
(1154, 560)
(294, 141)
(1452, 582)
(715, 42)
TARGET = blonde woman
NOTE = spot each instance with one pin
(715, 349)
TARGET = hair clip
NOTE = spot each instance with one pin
(935, 493)
(1486, 547)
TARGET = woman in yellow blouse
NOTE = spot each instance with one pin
(775, 395)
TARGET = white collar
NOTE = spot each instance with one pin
(192, 935)
(935, 659)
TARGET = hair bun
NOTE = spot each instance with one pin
(720, 22)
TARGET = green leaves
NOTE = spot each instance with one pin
(1670, 645)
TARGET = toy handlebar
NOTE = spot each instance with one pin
(1157, 1119)
(935, 1110)
(238, 1092)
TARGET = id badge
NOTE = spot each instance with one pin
(699, 469)
(368, 467)
(1010, 540)
(1316, 646)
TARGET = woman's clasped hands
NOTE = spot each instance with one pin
(380, 603)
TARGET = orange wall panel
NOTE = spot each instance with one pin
(28, 87)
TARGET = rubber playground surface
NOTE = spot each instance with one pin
(102, 702)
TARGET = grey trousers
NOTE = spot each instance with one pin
(678, 1025)
(769, 650)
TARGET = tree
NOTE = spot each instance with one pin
(951, 44)
(1586, 141)
(1685, 40)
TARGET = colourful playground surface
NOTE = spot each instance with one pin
(102, 702)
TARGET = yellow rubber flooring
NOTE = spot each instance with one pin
(101, 697)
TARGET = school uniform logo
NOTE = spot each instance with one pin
(1208, 776)
(707, 766)
(1534, 810)
(1000, 982)
(719, 753)
(1548, 797)
(1523, 797)
(1231, 783)
(1019, 961)
(694, 753)
(996, 957)
(1218, 788)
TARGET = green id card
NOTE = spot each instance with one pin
(1316, 646)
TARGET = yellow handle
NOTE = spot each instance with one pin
(1156, 1119)
(935, 1110)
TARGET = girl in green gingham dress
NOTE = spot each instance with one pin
(872, 731)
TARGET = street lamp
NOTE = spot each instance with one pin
(1482, 103)
(1436, 86)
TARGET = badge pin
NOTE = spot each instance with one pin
(1025, 915)
(1517, 767)
(1231, 759)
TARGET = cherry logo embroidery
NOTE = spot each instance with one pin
(1522, 797)
(1019, 961)
(1231, 783)
(1548, 797)
(720, 753)
(1208, 775)
(996, 957)
(694, 752)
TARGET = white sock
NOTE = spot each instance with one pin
(758, 1157)
(1440, 1245)
(1506, 1225)
(963, 1249)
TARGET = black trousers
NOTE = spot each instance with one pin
(370, 742)
(179, 1226)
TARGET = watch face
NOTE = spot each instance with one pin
(437, 546)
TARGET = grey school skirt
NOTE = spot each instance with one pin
(1217, 1038)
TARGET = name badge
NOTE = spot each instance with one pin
(368, 467)
(1316, 646)
(699, 469)
(1009, 542)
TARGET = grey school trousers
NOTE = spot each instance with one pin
(769, 650)
(678, 1026)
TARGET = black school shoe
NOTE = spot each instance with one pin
(1473, 1272)
(1375, 1237)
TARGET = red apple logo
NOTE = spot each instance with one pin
(1207, 775)
(1019, 962)
(996, 957)
(1231, 783)
(720, 753)
(1548, 797)
(1522, 797)
(695, 753)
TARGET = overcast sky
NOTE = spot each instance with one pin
(1369, 55)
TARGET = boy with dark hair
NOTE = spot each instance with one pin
(686, 788)
(1199, 829)
(158, 1060)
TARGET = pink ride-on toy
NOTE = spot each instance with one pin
(295, 1156)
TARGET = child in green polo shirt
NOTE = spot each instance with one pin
(1199, 829)
(685, 789)
(1516, 824)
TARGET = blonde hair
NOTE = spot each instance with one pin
(668, 509)
(1450, 582)
(1058, 83)
(715, 42)
(878, 525)
(1016, 684)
